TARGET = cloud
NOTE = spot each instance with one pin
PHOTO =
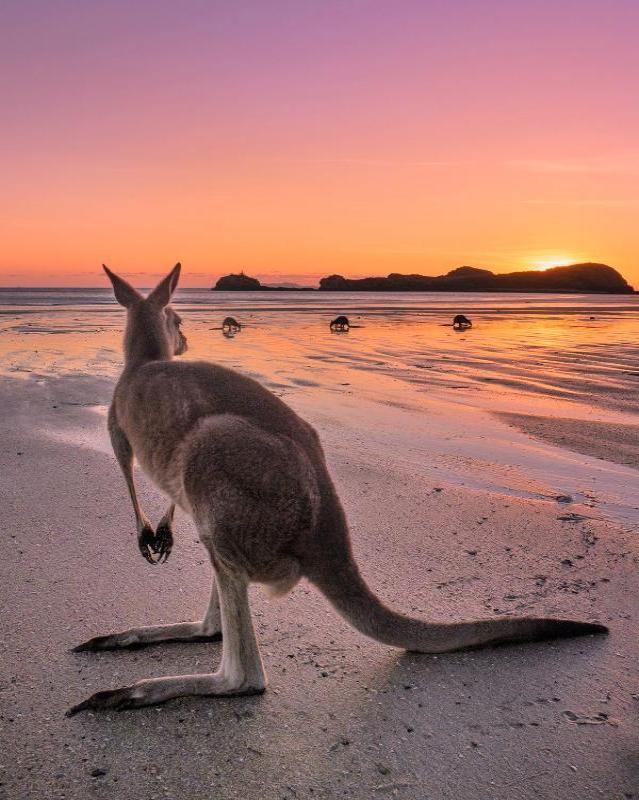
(597, 165)
(373, 162)
(584, 203)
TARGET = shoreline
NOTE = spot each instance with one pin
(410, 384)
(616, 443)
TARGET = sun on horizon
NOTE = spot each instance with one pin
(548, 262)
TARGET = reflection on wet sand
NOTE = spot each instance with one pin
(542, 360)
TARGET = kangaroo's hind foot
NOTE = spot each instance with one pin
(152, 634)
(241, 671)
(207, 630)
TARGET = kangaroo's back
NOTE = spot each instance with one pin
(160, 403)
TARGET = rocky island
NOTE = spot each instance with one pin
(575, 278)
(239, 282)
(588, 277)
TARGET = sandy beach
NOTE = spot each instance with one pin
(483, 474)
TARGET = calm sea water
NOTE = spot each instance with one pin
(364, 301)
(578, 348)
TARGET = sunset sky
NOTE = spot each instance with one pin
(298, 139)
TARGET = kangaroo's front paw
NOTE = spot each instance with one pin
(146, 543)
(163, 543)
(112, 700)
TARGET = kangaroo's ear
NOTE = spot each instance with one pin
(161, 295)
(125, 294)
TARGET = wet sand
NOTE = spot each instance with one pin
(610, 442)
(455, 513)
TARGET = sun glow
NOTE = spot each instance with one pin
(552, 261)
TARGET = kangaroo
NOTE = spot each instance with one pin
(253, 477)
(460, 322)
(230, 324)
(340, 324)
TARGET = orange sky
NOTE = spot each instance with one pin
(299, 139)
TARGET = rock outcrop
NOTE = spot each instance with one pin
(575, 278)
(237, 283)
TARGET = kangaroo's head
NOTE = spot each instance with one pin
(152, 327)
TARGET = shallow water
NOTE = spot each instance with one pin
(533, 348)
(401, 377)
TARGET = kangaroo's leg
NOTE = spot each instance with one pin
(207, 630)
(241, 670)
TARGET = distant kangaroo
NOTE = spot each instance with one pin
(252, 475)
(461, 321)
(231, 324)
(340, 324)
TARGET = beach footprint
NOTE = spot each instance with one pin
(601, 718)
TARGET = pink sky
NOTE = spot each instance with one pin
(297, 139)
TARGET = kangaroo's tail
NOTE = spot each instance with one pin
(339, 579)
